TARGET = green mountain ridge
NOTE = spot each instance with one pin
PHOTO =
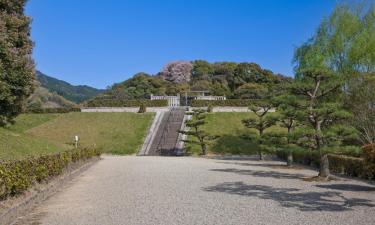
(77, 94)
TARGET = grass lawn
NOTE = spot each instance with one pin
(116, 133)
(229, 127)
(15, 143)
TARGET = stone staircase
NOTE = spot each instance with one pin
(166, 136)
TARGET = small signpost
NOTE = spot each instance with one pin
(76, 139)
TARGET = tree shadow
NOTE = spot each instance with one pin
(292, 198)
(347, 187)
(269, 174)
(234, 144)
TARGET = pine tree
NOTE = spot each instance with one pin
(319, 91)
(262, 121)
(288, 108)
(195, 130)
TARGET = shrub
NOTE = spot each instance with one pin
(125, 103)
(18, 176)
(228, 102)
(210, 108)
(347, 165)
(52, 110)
(142, 108)
(369, 152)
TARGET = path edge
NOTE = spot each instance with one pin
(26, 203)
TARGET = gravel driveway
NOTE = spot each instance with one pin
(161, 190)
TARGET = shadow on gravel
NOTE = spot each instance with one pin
(269, 174)
(291, 198)
(266, 165)
(347, 187)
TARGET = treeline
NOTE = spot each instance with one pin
(230, 79)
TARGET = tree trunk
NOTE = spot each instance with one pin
(289, 161)
(204, 149)
(260, 144)
(260, 154)
(324, 166)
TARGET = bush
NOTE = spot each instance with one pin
(228, 102)
(18, 176)
(210, 108)
(125, 103)
(52, 110)
(347, 165)
(369, 152)
(142, 108)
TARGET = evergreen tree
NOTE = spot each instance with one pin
(16, 66)
(288, 108)
(262, 122)
(195, 130)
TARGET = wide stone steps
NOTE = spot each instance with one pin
(166, 137)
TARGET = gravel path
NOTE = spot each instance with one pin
(157, 190)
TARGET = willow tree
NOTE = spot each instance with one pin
(16, 66)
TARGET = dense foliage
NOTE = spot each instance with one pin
(17, 176)
(327, 66)
(72, 93)
(340, 164)
(233, 80)
(99, 102)
(16, 66)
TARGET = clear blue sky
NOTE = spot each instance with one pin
(99, 42)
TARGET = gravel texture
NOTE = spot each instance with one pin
(171, 190)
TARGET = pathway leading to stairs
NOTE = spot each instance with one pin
(184, 190)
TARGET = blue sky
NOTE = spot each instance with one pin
(100, 42)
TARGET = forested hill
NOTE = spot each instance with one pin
(73, 93)
(234, 80)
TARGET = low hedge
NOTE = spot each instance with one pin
(17, 176)
(53, 110)
(126, 103)
(228, 102)
(346, 165)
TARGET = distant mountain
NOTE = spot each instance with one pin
(72, 93)
(43, 98)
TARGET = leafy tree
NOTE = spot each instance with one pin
(251, 91)
(177, 72)
(16, 66)
(262, 122)
(201, 68)
(195, 125)
(250, 72)
(360, 100)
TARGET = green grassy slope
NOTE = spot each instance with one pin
(230, 129)
(117, 133)
(15, 143)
